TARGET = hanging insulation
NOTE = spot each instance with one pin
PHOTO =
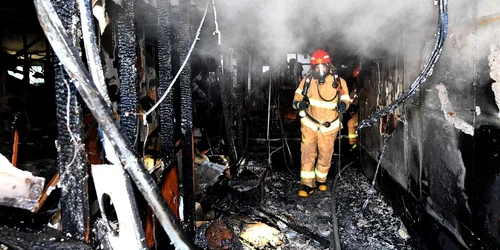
(127, 59)
(72, 159)
(185, 39)
(165, 77)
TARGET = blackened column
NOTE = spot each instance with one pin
(185, 39)
(72, 158)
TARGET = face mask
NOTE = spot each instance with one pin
(320, 72)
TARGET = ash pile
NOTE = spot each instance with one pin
(254, 214)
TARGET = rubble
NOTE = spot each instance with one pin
(292, 222)
(19, 188)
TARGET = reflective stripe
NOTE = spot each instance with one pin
(298, 91)
(322, 104)
(307, 174)
(312, 125)
(352, 136)
(309, 123)
(320, 175)
(345, 97)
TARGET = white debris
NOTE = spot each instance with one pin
(449, 114)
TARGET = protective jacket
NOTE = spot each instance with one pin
(320, 126)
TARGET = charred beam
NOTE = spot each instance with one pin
(226, 98)
(72, 160)
(238, 97)
(186, 117)
(165, 77)
(127, 59)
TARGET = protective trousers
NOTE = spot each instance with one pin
(352, 124)
(316, 144)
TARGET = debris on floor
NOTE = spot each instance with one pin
(20, 188)
(282, 220)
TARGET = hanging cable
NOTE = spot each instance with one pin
(424, 74)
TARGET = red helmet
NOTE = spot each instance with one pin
(320, 56)
(356, 71)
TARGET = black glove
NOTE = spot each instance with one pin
(301, 105)
(342, 107)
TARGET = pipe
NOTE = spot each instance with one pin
(335, 244)
(59, 40)
(186, 119)
(15, 147)
(91, 49)
(424, 74)
(268, 133)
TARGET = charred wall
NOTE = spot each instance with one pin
(444, 146)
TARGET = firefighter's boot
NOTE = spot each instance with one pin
(305, 191)
(321, 186)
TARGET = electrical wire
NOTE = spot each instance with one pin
(424, 74)
(68, 127)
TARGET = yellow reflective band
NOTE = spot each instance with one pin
(322, 104)
(307, 174)
(298, 91)
(345, 97)
(352, 136)
(320, 175)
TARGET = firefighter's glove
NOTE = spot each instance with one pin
(301, 105)
(342, 107)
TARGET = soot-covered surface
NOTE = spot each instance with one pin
(292, 222)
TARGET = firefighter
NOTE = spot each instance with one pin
(352, 124)
(320, 97)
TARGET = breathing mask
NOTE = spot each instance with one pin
(320, 72)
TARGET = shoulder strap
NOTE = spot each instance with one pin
(305, 90)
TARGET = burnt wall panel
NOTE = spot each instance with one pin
(451, 125)
(394, 159)
(486, 204)
(444, 171)
(413, 147)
